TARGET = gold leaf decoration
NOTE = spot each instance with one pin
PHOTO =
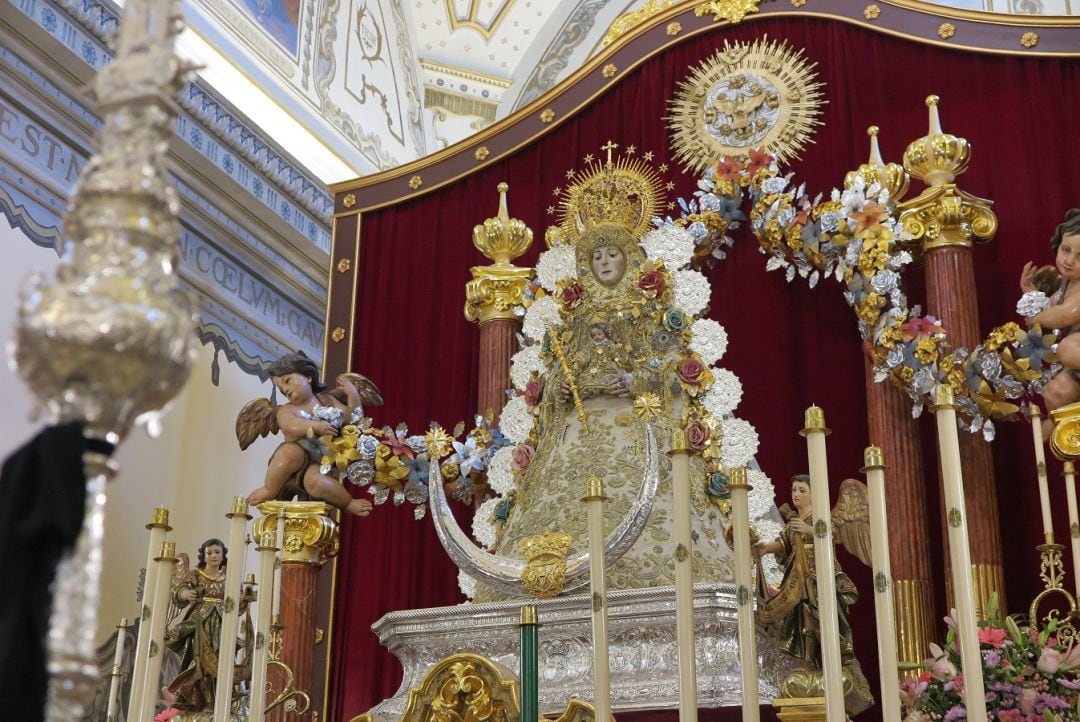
(763, 94)
(732, 11)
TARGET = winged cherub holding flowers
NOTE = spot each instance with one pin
(312, 413)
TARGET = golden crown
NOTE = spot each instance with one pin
(540, 547)
(624, 191)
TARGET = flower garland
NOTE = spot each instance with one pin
(854, 237)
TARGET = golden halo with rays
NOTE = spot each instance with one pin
(747, 95)
(625, 190)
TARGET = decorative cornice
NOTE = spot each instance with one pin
(910, 19)
(207, 106)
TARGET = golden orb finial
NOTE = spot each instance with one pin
(502, 238)
(938, 157)
(891, 176)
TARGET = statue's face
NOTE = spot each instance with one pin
(1068, 257)
(608, 264)
(800, 495)
(213, 555)
(295, 387)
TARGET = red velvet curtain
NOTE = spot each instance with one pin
(791, 345)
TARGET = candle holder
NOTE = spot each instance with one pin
(1052, 572)
(294, 700)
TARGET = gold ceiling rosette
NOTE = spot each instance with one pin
(625, 190)
(763, 94)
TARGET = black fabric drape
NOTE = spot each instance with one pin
(43, 488)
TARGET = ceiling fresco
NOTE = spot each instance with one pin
(378, 83)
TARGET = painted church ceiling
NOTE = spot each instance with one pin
(382, 82)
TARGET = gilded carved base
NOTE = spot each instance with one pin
(644, 669)
(467, 686)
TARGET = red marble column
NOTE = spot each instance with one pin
(893, 429)
(497, 346)
(299, 591)
(951, 297)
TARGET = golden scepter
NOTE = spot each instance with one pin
(557, 349)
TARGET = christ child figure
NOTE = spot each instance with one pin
(1052, 300)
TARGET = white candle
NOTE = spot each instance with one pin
(598, 583)
(960, 553)
(116, 675)
(883, 594)
(156, 645)
(684, 578)
(1074, 522)
(280, 543)
(230, 619)
(740, 523)
(267, 556)
(1040, 466)
(825, 564)
(158, 526)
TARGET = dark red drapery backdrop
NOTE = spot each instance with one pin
(791, 346)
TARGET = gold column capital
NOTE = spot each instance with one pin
(311, 536)
(1065, 439)
(943, 215)
(494, 292)
(496, 289)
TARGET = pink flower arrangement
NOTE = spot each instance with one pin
(1029, 676)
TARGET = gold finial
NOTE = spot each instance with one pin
(873, 458)
(502, 238)
(1035, 412)
(528, 614)
(944, 398)
(249, 580)
(159, 519)
(891, 176)
(938, 157)
(168, 552)
(267, 540)
(1068, 467)
(739, 479)
(814, 421)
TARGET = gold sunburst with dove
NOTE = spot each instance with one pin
(763, 94)
(622, 189)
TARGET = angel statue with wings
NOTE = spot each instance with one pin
(790, 614)
(312, 417)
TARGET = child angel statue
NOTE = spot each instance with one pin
(312, 415)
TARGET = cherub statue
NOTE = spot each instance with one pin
(311, 414)
(790, 614)
(1052, 300)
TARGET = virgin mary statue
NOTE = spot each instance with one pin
(616, 361)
